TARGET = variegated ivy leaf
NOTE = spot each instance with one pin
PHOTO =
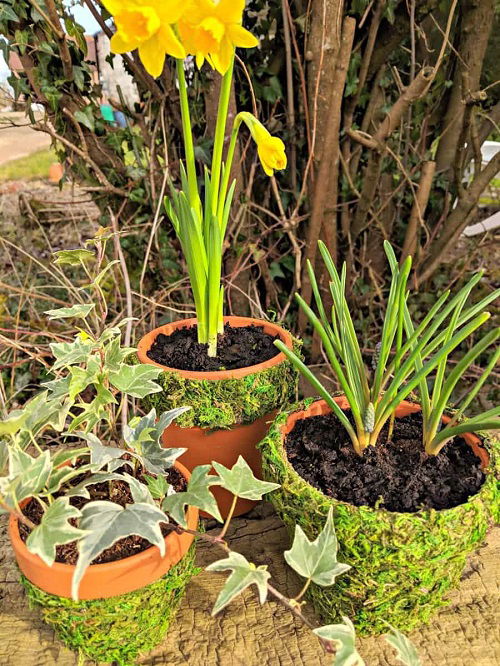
(158, 486)
(62, 475)
(80, 378)
(4, 457)
(406, 651)
(143, 436)
(71, 353)
(106, 523)
(73, 257)
(115, 355)
(27, 475)
(93, 412)
(316, 560)
(240, 480)
(197, 494)
(149, 427)
(59, 388)
(78, 311)
(13, 423)
(136, 380)
(100, 455)
(140, 492)
(243, 574)
(343, 637)
(54, 530)
(37, 414)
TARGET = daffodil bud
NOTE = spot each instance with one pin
(271, 149)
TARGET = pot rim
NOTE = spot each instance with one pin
(317, 407)
(60, 567)
(146, 342)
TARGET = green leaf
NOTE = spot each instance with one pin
(54, 530)
(158, 486)
(59, 388)
(343, 637)
(136, 380)
(240, 480)
(78, 311)
(316, 560)
(197, 494)
(106, 523)
(71, 353)
(406, 651)
(80, 378)
(73, 257)
(243, 574)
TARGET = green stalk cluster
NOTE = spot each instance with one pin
(406, 357)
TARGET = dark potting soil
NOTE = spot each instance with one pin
(236, 348)
(398, 471)
(117, 492)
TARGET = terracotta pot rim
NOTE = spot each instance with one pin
(60, 567)
(147, 340)
(319, 406)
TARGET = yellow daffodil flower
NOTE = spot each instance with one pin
(271, 149)
(212, 30)
(147, 25)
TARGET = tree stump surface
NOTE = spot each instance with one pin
(464, 634)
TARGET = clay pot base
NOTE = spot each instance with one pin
(118, 629)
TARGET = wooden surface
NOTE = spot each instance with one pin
(465, 634)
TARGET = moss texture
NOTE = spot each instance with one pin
(118, 629)
(227, 402)
(403, 564)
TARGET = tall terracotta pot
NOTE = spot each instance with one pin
(231, 409)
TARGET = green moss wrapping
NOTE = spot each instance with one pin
(116, 629)
(226, 402)
(403, 564)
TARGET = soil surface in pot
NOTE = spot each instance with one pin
(238, 347)
(399, 471)
(115, 491)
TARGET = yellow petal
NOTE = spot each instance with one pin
(222, 59)
(152, 54)
(200, 59)
(121, 45)
(170, 42)
(230, 10)
(169, 11)
(114, 6)
(241, 37)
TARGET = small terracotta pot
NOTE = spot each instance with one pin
(405, 408)
(146, 343)
(56, 172)
(225, 445)
(110, 579)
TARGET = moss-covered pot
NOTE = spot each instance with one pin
(224, 398)
(403, 564)
(120, 628)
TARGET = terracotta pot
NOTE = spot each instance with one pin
(403, 564)
(146, 343)
(110, 579)
(320, 408)
(224, 445)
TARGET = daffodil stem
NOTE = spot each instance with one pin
(220, 132)
(188, 134)
(228, 164)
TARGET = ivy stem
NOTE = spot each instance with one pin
(18, 514)
(229, 516)
(302, 591)
(290, 604)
